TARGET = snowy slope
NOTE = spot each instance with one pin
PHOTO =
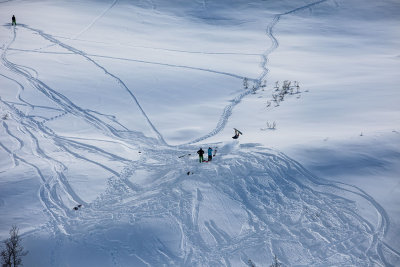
(105, 103)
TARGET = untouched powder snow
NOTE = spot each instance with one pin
(104, 104)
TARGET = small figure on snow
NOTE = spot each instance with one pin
(201, 153)
(237, 133)
(210, 154)
(13, 21)
(77, 207)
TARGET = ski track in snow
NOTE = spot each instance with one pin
(267, 186)
(58, 184)
(81, 53)
(21, 88)
(227, 112)
(175, 66)
(150, 63)
(62, 100)
(133, 46)
(96, 19)
(327, 221)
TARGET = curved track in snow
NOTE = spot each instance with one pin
(56, 194)
(62, 100)
(96, 19)
(271, 202)
(81, 53)
(227, 112)
(147, 62)
(246, 203)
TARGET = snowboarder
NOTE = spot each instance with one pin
(210, 154)
(237, 133)
(13, 21)
(201, 153)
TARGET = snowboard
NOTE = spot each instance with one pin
(215, 151)
(238, 131)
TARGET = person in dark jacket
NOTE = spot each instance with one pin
(210, 154)
(237, 133)
(201, 153)
(13, 21)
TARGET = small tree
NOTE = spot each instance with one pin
(12, 254)
(250, 263)
(245, 83)
(276, 86)
(276, 263)
(264, 84)
(254, 89)
(271, 126)
(296, 84)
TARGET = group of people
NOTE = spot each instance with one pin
(210, 150)
(201, 154)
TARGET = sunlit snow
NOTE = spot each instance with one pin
(104, 104)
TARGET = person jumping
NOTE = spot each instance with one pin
(237, 133)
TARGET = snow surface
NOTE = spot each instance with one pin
(105, 103)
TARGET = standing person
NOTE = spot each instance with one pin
(13, 21)
(201, 153)
(210, 154)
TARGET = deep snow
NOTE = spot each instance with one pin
(103, 101)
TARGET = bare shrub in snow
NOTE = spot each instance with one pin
(13, 252)
(297, 87)
(276, 263)
(288, 88)
(276, 86)
(245, 83)
(270, 126)
(264, 84)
